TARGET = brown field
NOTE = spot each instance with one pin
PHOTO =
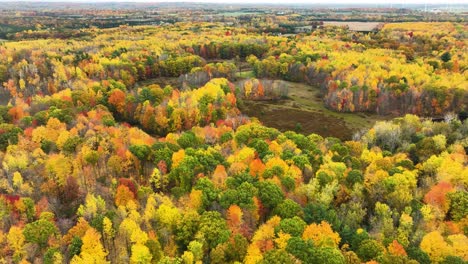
(285, 118)
(354, 26)
(304, 108)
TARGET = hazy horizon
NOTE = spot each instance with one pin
(291, 2)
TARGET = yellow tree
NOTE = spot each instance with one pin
(459, 244)
(195, 199)
(435, 246)
(140, 254)
(108, 236)
(16, 241)
(92, 251)
(321, 234)
(167, 214)
(177, 157)
(150, 211)
(248, 88)
(59, 167)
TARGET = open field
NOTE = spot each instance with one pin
(161, 81)
(305, 112)
(354, 26)
(245, 74)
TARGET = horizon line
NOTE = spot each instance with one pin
(247, 2)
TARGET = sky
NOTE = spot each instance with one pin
(322, 2)
(314, 1)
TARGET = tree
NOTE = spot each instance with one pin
(187, 257)
(155, 249)
(370, 249)
(197, 250)
(78, 230)
(382, 221)
(17, 179)
(209, 191)
(234, 218)
(214, 229)
(188, 140)
(93, 205)
(387, 135)
(75, 246)
(257, 167)
(218, 254)
(123, 195)
(219, 177)
(270, 194)
(3, 73)
(167, 214)
(195, 199)
(92, 250)
(437, 196)
(52, 256)
(327, 255)
(186, 228)
(140, 151)
(236, 248)
(288, 209)
(396, 249)
(248, 88)
(242, 196)
(317, 212)
(446, 56)
(276, 256)
(140, 254)
(117, 99)
(417, 254)
(293, 226)
(260, 90)
(8, 135)
(458, 245)
(405, 229)
(158, 180)
(16, 241)
(301, 249)
(435, 246)
(39, 232)
(321, 234)
(458, 205)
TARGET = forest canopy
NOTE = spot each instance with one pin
(102, 163)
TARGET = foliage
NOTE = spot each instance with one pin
(102, 165)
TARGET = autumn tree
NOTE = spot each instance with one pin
(40, 231)
(213, 228)
(92, 250)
